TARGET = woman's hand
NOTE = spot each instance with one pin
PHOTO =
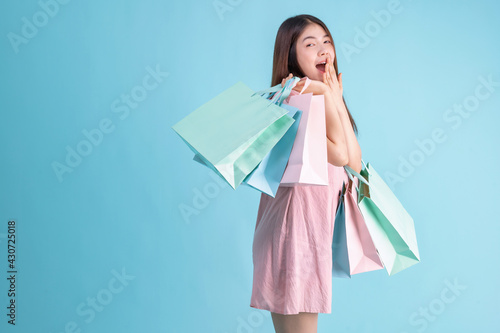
(286, 79)
(333, 82)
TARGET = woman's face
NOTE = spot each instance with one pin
(313, 47)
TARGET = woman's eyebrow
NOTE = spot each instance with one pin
(313, 37)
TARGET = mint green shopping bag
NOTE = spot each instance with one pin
(389, 224)
(234, 131)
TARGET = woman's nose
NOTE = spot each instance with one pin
(323, 52)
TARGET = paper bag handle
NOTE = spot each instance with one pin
(282, 93)
(350, 172)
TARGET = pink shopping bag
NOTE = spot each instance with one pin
(363, 256)
(308, 162)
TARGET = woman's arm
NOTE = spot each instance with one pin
(335, 89)
(342, 145)
(352, 145)
(335, 137)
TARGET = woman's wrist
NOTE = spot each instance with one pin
(337, 101)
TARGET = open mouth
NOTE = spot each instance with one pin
(321, 66)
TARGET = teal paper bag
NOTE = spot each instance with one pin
(266, 177)
(340, 256)
(391, 227)
(234, 131)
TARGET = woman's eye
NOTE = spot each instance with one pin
(326, 41)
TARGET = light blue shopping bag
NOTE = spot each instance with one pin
(266, 177)
(340, 256)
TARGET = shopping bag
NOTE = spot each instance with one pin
(391, 227)
(267, 175)
(308, 162)
(234, 131)
(359, 248)
(363, 256)
(340, 258)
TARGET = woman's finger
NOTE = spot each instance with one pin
(332, 68)
(328, 75)
(299, 84)
(332, 72)
(283, 82)
(329, 63)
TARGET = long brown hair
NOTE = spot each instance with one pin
(285, 51)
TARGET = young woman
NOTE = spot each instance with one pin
(292, 252)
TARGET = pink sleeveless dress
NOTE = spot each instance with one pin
(292, 247)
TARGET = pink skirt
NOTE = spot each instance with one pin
(292, 247)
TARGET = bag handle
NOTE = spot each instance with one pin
(344, 189)
(285, 92)
(350, 172)
(282, 93)
(366, 168)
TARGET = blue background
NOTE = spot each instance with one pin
(118, 212)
